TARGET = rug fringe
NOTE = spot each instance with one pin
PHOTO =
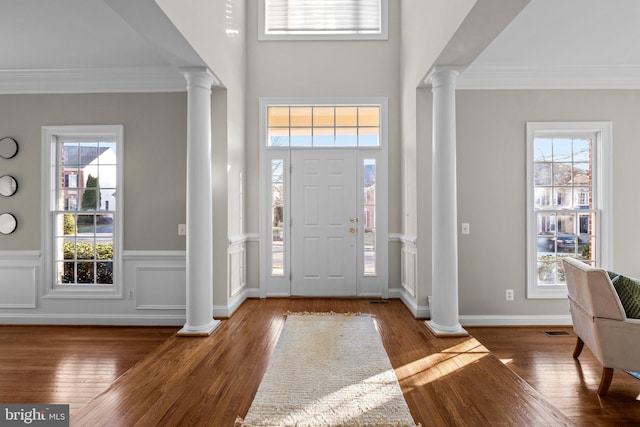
(240, 423)
(326, 313)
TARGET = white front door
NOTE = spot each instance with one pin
(324, 227)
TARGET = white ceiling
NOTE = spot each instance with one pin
(564, 43)
(551, 43)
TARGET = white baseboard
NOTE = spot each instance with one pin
(93, 319)
(418, 311)
(235, 302)
(516, 320)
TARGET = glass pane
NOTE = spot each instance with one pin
(110, 149)
(107, 199)
(88, 152)
(104, 224)
(542, 197)
(369, 116)
(346, 137)
(542, 174)
(562, 198)
(369, 216)
(90, 199)
(85, 273)
(69, 155)
(278, 137)
(581, 150)
(68, 200)
(277, 252)
(323, 137)
(562, 150)
(277, 217)
(323, 116)
(300, 116)
(65, 248)
(65, 272)
(278, 116)
(547, 273)
(346, 116)
(582, 197)
(542, 149)
(581, 174)
(368, 137)
(70, 179)
(301, 137)
(104, 271)
(106, 175)
(562, 174)
(85, 225)
(277, 171)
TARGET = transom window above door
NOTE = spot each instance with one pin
(323, 126)
(323, 19)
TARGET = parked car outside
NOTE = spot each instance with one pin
(565, 242)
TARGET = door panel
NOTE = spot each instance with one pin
(324, 241)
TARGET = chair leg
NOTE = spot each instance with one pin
(578, 349)
(605, 381)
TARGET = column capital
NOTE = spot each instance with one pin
(200, 77)
(442, 76)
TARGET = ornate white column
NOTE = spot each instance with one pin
(199, 205)
(444, 299)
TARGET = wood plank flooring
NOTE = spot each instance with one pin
(209, 381)
(548, 365)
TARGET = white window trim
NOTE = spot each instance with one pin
(50, 135)
(271, 285)
(383, 35)
(603, 189)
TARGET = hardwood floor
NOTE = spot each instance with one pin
(148, 376)
(547, 364)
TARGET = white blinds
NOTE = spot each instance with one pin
(323, 17)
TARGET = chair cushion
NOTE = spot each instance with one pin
(628, 290)
(613, 276)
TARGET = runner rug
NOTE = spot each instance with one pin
(329, 369)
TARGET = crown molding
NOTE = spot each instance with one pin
(103, 80)
(552, 77)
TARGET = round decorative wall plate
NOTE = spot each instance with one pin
(8, 147)
(8, 185)
(8, 223)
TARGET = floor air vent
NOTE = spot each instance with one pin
(558, 333)
(377, 301)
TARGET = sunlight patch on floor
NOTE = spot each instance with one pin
(439, 365)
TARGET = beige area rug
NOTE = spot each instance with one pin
(329, 370)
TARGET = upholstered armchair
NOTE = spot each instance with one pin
(600, 322)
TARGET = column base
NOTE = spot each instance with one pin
(446, 331)
(199, 331)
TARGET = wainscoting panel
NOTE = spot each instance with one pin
(160, 288)
(408, 258)
(156, 280)
(237, 275)
(19, 279)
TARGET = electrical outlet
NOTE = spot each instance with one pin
(132, 294)
(509, 294)
(465, 228)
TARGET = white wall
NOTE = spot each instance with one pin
(491, 188)
(217, 32)
(426, 28)
(154, 204)
(322, 69)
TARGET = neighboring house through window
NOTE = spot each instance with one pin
(82, 205)
(568, 201)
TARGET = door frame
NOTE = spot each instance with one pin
(366, 285)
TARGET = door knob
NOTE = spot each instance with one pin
(352, 230)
